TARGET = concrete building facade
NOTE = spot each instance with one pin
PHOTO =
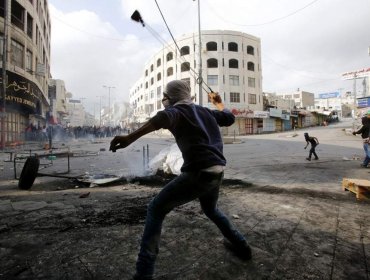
(27, 66)
(58, 101)
(231, 66)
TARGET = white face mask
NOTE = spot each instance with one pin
(166, 103)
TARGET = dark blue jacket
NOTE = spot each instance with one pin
(197, 133)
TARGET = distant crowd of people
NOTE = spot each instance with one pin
(59, 132)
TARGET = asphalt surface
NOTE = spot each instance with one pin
(298, 220)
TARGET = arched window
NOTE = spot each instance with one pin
(170, 71)
(211, 46)
(233, 63)
(184, 50)
(212, 63)
(169, 56)
(233, 47)
(146, 72)
(185, 66)
(250, 50)
(159, 76)
(250, 66)
(151, 68)
(151, 81)
(158, 62)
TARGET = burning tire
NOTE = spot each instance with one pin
(29, 173)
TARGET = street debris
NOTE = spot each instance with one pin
(84, 195)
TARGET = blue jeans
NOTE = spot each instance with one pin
(185, 188)
(367, 155)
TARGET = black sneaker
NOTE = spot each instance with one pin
(316, 158)
(308, 159)
(242, 250)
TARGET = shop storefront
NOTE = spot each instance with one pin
(25, 106)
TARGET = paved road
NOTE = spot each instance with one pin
(298, 220)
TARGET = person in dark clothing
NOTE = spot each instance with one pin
(364, 131)
(314, 142)
(197, 133)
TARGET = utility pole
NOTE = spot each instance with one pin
(109, 115)
(200, 78)
(341, 106)
(3, 75)
(100, 96)
(354, 100)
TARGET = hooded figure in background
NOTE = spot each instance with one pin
(365, 131)
(197, 133)
(314, 142)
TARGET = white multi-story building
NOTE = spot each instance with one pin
(302, 99)
(58, 101)
(76, 113)
(26, 36)
(231, 66)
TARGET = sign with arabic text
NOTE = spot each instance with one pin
(245, 113)
(356, 74)
(22, 94)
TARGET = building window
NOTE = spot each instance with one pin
(250, 66)
(252, 98)
(158, 62)
(146, 84)
(234, 80)
(233, 63)
(29, 60)
(169, 71)
(234, 97)
(251, 82)
(169, 56)
(232, 47)
(159, 92)
(146, 73)
(211, 46)
(159, 76)
(17, 17)
(250, 50)
(151, 68)
(184, 50)
(151, 81)
(212, 63)
(185, 66)
(29, 26)
(212, 80)
(17, 54)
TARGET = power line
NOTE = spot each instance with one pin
(297, 71)
(97, 36)
(264, 23)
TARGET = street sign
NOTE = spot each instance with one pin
(363, 102)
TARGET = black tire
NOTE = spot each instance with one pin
(29, 173)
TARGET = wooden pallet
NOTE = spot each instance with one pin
(358, 186)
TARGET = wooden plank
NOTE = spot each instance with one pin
(357, 186)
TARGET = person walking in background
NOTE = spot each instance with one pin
(364, 131)
(197, 134)
(314, 142)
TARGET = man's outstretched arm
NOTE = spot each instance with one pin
(120, 142)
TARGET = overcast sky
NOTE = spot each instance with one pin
(306, 44)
